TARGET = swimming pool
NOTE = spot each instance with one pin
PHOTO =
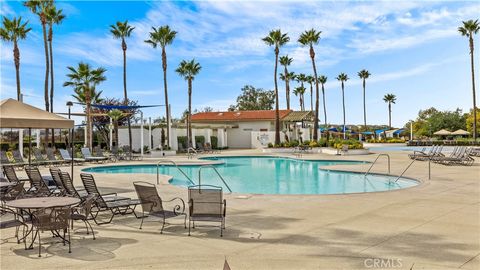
(272, 175)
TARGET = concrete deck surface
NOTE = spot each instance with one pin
(435, 225)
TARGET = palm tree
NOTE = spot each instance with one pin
(115, 115)
(277, 39)
(300, 91)
(310, 38)
(84, 79)
(342, 77)
(390, 98)
(95, 97)
(122, 30)
(310, 80)
(188, 70)
(13, 31)
(163, 36)
(468, 29)
(364, 74)
(53, 16)
(285, 61)
(323, 80)
(39, 7)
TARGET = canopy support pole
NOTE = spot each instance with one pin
(29, 146)
(20, 141)
(141, 133)
(73, 153)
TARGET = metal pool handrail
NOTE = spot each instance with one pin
(176, 166)
(409, 165)
(373, 163)
(219, 175)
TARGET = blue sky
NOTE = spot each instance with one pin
(412, 49)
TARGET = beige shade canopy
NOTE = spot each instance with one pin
(442, 132)
(460, 132)
(15, 114)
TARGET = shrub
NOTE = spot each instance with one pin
(214, 141)
(313, 144)
(182, 140)
(322, 142)
(200, 139)
(270, 145)
(5, 146)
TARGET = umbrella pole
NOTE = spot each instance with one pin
(29, 146)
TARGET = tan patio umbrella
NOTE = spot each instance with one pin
(442, 132)
(461, 132)
(16, 114)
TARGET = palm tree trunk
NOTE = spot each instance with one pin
(50, 36)
(311, 97)
(47, 67)
(277, 112)
(287, 88)
(167, 109)
(473, 90)
(189, 116)
(115, 127)
(124, 48)
(324, 109)
(317, 95)
(16, 58)
(89, 120)
(343, 102)
(364, 109)
(389, 115)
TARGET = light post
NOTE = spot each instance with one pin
(69, 105)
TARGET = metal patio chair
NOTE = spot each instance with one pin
(206, 204)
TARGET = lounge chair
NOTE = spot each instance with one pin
(69, 187)
(17, 156)
(87, 155)
(208, 148)
(12, 193)
(181, 148)
(118, 206)
(37, 185)
(152, 204)
(40, 160)
(67, 157)
(4, 159)
(206, 204)
(129, 154)
(55, 172)
(200, 148)
(344, 149)
(11, 175)
(51, 157)
(98, 152)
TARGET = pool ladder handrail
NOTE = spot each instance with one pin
(218, 173)
(408, 167)
(176, 166)
(375, 161)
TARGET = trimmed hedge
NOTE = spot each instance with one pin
(214, 142)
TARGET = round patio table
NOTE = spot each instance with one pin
(29, 204)
(43, 202)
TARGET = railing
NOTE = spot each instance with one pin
(176, 166)
(409, 165)
(375, 161)
(219, 175)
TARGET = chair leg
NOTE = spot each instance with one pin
(69, 241)
(163, 225)
(93, 233)
(86, 227)
(185, 221)
(143, 216)
(39, 245)
(188, 227)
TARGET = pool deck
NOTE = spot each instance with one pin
(435, 225)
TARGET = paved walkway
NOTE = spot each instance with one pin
(435, 225)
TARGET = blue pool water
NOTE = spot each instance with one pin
(272, 175)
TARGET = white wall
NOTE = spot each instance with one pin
(241, 137)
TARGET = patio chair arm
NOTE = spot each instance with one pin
(178, 207)
(106, 194)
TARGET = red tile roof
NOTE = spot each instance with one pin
(237, 116)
